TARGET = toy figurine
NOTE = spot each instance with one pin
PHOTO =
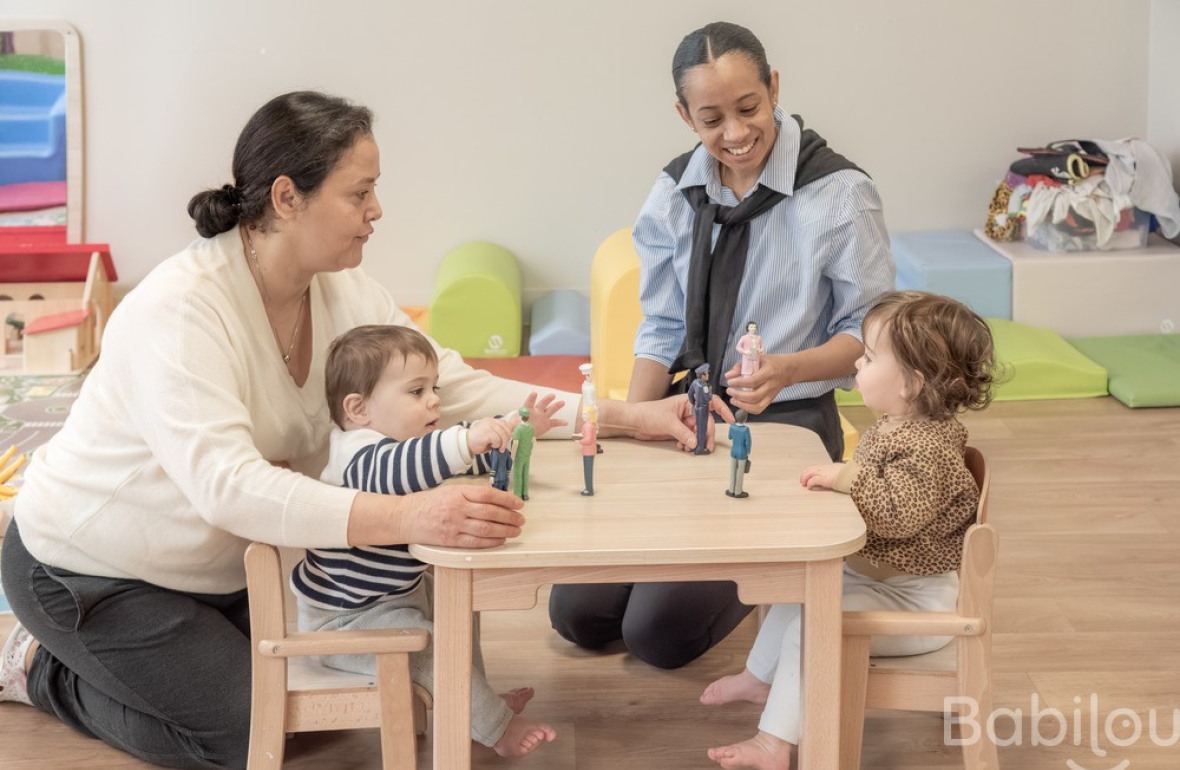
(589, 393)
(588, 439)
(501, 464)
(739, 454)
(522, 444)
(589, 398)
(700, 395)
(750, 346)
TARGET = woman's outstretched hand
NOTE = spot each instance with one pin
(463, 516)
(756, 392)
(673, 418)
(542, 413)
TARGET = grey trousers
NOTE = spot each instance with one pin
(490, 715)
(588, 473)
(159, 674)
(737, 472)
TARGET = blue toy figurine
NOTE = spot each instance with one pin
(700, 395)
(739, 454)
(501, 465)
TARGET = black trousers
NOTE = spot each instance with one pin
(818, 415)
(671, 624)
(159, 674)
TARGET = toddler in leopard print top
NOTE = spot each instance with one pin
(926, 358)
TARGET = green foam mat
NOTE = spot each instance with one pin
(1035, 364)
(1144, 369)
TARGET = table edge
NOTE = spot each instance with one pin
(505, 558)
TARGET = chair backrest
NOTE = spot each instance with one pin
(979, 471)
(264, 585)
(980, 548)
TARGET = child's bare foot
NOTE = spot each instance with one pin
(523, 737)
(738, 687)
(762, 752)
(517, 699)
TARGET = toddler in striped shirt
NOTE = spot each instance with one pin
(382, 388)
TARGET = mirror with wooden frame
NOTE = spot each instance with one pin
(40, 129)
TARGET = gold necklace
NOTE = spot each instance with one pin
(256, 271)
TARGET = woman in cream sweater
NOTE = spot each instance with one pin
(203, 427)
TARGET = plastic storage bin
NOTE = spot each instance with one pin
(1131, 234)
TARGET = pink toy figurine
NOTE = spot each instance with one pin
(588, 440)
(750, 346)
(589, 401)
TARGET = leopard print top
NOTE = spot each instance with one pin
(916, 495)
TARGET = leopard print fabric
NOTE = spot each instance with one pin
(916, 495)
(1000, 226)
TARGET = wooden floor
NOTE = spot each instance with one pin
(1086, 497)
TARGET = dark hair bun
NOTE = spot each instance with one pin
(216, 211)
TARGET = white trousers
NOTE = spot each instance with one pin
(775, 656)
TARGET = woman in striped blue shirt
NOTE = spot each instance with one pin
(760, 222)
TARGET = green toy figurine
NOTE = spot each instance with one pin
(522, 449)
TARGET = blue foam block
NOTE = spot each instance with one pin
(560, 324)
(32, 127)
(957, 264)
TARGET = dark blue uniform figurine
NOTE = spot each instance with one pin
(739, 454)
(501, 464)
(700, 395)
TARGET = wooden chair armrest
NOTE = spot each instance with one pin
(346, 643)
(911, 624)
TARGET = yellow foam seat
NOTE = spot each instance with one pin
(614, 313)
(851, 437)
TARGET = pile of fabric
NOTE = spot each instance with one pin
(1080, 194)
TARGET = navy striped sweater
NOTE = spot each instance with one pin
(354, 578)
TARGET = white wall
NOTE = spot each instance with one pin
(541, 124)
(1163, 101)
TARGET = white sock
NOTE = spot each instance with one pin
(14, 682)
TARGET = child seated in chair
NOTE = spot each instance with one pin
(383, 398)
(926, 357)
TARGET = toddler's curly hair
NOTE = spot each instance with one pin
(946, 343)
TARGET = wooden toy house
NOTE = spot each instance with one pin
(55, 299)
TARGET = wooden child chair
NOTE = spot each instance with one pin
(922, 682)
(291, 694)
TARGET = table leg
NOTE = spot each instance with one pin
(819, 746)
(452, 669)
